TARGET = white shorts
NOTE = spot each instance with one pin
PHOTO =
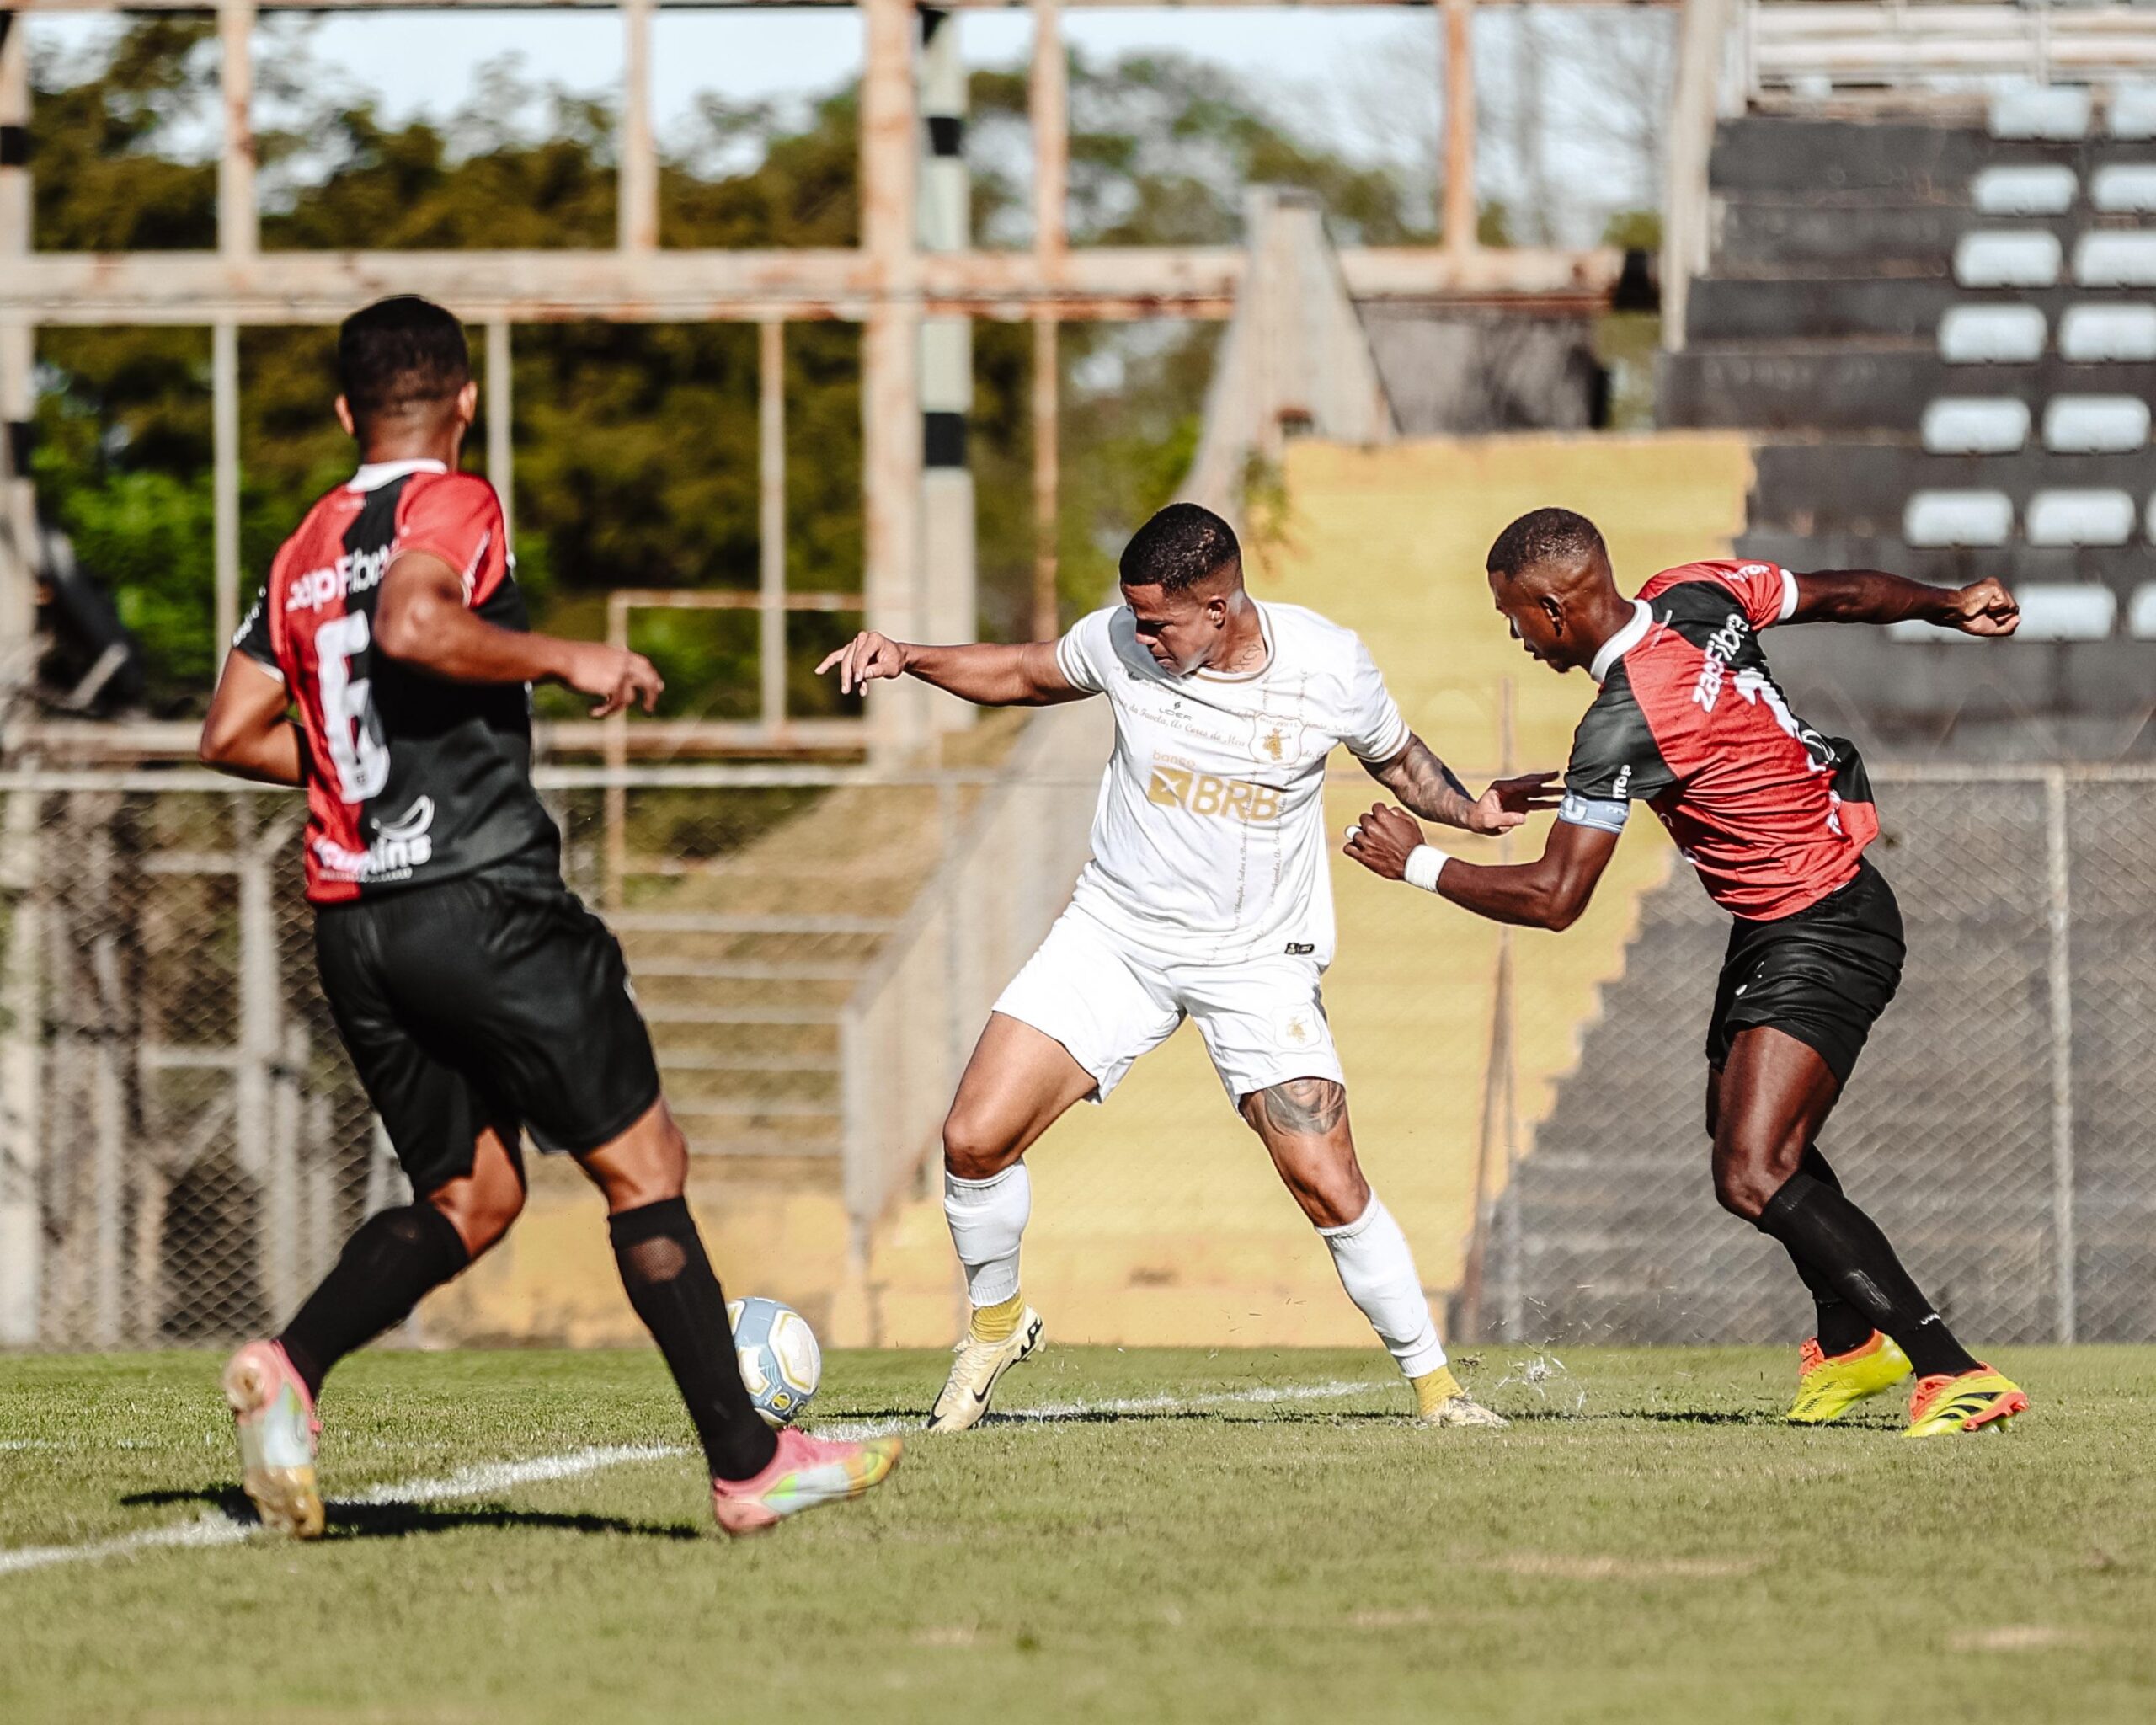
(1107, 1003)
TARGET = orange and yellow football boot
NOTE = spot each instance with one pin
(1827, 1386)
(1967, 1402)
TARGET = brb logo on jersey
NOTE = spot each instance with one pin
(1185, 787)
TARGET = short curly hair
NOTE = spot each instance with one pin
(1180, 547)
(400, 354)
(1544, 535)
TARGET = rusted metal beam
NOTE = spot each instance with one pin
(890, 365)
(224, 484)
(1048, 478)
(238, 226)
(501, 411)
(685, 286)
(111, 6)
(636, 214)
(19, 550)
(771, 520)
(1461, 213)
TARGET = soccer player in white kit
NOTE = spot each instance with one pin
(1207, 897)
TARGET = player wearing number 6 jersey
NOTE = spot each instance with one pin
(1206, 898)
(1775, 817)
(476, 995)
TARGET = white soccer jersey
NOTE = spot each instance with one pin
(1209, 840)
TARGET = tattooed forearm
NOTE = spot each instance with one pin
(1426, 786)
(1302, 1107)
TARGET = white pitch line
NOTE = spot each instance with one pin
(1048, 1412)
(217, 1530)
(490, 1478)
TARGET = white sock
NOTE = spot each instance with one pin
(1378, 1271)
(987, 1218)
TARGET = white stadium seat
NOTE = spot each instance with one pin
(2095, 425)
(2116, 258)
(2141, 613)
(1937, 518)
(2133, 112)
(2124, 188)
(2079, 517)
(2009, 258)
(2059, 611)
(2089, 335)
(1998, 335)
(2040, 111)
(2033, 189)
(1975, 424)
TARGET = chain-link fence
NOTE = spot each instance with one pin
(183, 1147)
(1997, 1126)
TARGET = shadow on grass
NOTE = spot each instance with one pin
(374, 1521)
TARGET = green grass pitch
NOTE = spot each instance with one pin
(1647, 1543)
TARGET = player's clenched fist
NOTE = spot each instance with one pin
(1383, 840)
(1982, 608)
(864, 658)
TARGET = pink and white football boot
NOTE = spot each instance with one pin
(806, 1473)
(273, 1417)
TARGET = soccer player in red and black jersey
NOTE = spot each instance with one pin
(1775, 818)
(385, 666)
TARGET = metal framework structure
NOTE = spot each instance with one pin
(904, 275)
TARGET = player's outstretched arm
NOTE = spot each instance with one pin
(1548, 893)
(422, 621)
(1873, 596)
(1426, 785)
(988, 675)
(246, 732)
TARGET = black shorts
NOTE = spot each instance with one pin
(482, 1003)
(1823, 975)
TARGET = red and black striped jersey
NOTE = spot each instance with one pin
(413, 779)
(1772, 814)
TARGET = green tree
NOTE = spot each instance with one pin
(635, 443)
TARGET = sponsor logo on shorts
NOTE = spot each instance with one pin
(1208, 793)
(1300, 948)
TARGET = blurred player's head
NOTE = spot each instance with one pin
(404, 375)
(1550, 577)
(1183, 579)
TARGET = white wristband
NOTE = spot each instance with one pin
(1425, 863)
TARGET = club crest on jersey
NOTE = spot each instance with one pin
(1275, 740)
(1185, 787)
(400, 846)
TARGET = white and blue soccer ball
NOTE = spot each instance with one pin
(780, 1362)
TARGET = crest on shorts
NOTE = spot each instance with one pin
(1298, 1029)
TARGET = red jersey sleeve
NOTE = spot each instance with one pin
(457, 518)
(1767, 590)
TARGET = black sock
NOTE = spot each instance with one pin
(397, 1256)
(1819, 1226)
(1839, 1325)
(671, 1286)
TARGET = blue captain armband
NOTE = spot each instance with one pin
(1593, 811)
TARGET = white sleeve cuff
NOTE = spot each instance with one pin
(1425, 863)
(1788, 596)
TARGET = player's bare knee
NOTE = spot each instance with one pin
(1745, 1179)
(973, 1148)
